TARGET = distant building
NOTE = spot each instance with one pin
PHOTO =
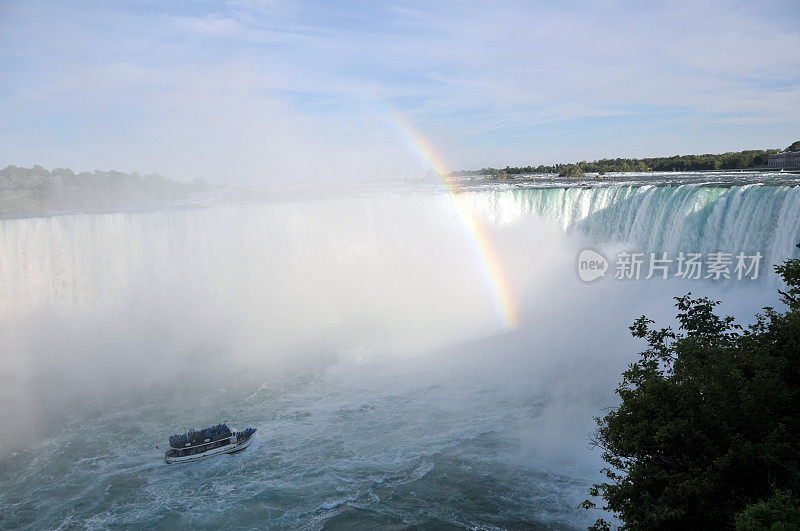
(785, 159)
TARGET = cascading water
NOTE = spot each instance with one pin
(694, 217)
(76, 258)
(358, 335)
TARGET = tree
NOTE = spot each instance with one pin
(709, 419)
(736, 160)
(571, 170)
(781, 512)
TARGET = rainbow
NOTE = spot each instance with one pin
(505, 306)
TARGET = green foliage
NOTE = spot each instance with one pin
(571, 170)
(781, 512)
(36, 190)
(709, 419)
(794, 147)
(725, 161)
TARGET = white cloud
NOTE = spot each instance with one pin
(225, 127)
(292, 86)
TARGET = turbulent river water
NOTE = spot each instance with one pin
(361, 335)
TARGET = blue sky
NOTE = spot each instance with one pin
(249, 91)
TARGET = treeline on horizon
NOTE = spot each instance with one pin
(737, 160)
(35, 190)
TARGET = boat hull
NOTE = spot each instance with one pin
(227, 449)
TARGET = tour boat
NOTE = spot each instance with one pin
(195, 445)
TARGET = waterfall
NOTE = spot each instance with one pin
(357, 333)
(690, 218)
(76, 258)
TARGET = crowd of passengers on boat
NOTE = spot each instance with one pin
(197, 442)
(193, 437)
